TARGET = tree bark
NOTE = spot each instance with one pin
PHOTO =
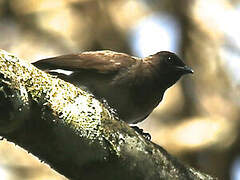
(73, 132)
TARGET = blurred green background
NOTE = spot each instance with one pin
(198, 120)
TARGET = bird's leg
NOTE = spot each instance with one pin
(147, 136)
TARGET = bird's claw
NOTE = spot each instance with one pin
(146, 136)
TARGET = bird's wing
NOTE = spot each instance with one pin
(101, 61)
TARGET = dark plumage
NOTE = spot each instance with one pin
(133, 86)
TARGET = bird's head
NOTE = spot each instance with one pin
(169, 62)
(169, 67)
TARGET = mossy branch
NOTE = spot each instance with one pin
(73, 132)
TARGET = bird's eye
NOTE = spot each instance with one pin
(170, 60)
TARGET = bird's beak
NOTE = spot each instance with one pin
(185, 69)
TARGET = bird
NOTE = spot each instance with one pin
(132, 86)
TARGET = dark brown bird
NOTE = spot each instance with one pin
(132, 86)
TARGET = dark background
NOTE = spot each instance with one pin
(198, 120)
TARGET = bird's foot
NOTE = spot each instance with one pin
(147, 136)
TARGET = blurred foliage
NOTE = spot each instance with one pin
(198, 120)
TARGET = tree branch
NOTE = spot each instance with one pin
(73, 132)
